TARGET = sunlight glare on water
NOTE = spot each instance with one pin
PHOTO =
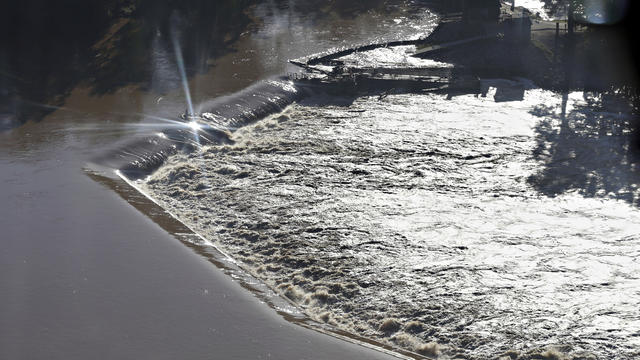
(195, 126)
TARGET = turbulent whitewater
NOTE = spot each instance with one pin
(447, 226)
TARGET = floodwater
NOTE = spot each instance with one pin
(443, 224)
(416, 219)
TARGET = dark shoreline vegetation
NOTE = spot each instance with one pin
(48, 48)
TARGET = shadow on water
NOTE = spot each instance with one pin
(590, 148)
(593, 147)
(48, 48)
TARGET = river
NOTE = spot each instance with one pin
(450, 224)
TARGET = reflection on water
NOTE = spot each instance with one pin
(227, 44)
(48, 49)
(461, 224)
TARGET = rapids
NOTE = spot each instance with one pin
(416, 219)
(448, 224)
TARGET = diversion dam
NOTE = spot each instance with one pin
(217, 119)
(488, 222)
